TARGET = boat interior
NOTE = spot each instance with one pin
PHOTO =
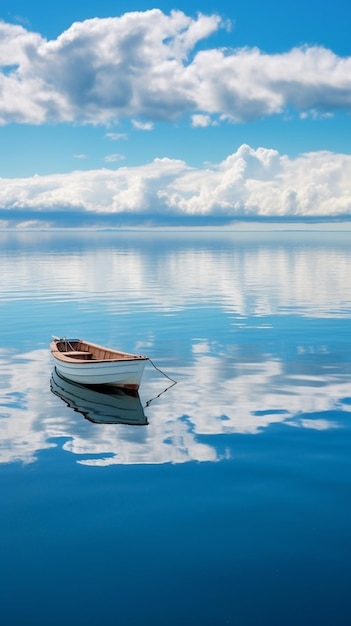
(83, 350)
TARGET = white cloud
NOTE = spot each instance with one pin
(113, 158)
(146, 64)
(201, 121)
(142, 125)
(116, 136)
(314, 114)
(247, 184)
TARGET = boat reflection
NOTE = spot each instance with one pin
(102, 404)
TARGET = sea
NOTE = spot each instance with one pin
(221, 492)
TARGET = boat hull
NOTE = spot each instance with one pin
(90, 364)
(126, 374)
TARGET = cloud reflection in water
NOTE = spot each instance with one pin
(185, 424)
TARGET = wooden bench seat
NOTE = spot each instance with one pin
(76, 354)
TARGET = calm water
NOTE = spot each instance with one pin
(229, 502)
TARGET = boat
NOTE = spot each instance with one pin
(91, 364)
(100, 404)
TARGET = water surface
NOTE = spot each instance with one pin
(227, 501)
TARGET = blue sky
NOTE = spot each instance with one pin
(119, 113)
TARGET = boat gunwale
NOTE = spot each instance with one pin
(69, 356)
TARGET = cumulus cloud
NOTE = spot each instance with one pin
(248, 184)
(147, 65)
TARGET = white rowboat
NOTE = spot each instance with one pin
(91, 364)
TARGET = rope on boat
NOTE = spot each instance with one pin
(161, 372)
(174, 382)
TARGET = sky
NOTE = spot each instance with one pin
(131, 114)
